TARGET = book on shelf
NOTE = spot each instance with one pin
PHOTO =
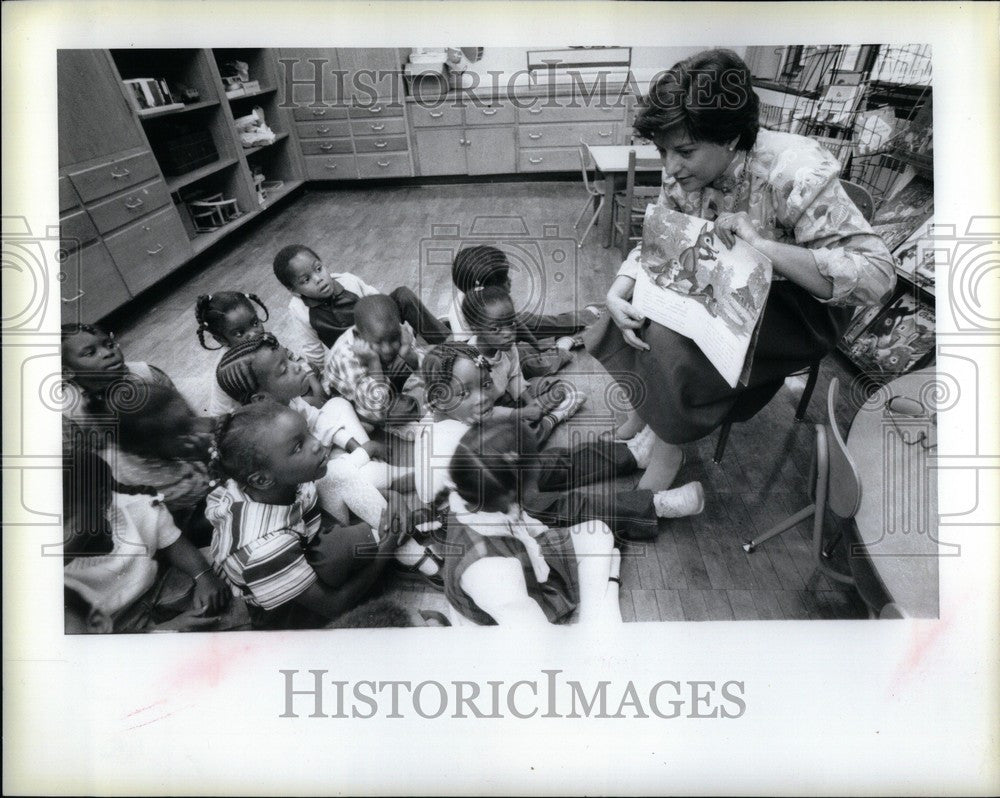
(896, 339)
(906, 210)
(691, 283)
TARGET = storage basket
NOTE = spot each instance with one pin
(186, 150)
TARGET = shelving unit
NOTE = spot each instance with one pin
(126, 176)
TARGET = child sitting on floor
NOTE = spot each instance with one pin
(114, 537)
(477, 267)
(294, 566)
(231, 318)
(370, 363)
(262, 370)
(559, 482)
(505, 567)
(96, 378)
(159, 442)
(322, 303)
(542, 402)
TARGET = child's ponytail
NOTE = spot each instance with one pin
(202, 308)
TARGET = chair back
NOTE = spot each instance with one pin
(843, 495)
(586, 165)
(861, 197)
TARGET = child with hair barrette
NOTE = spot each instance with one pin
(294, 565)
(504, 566)
(542, 402)
(230, 318)
(480, 266)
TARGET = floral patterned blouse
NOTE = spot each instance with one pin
(790, 187)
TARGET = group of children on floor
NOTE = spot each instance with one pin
(389, 436)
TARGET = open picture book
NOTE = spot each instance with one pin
(691, 283)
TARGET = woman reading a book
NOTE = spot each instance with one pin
(778, 192)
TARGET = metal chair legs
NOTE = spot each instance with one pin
(800, 411)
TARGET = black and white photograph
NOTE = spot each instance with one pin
(617, 347)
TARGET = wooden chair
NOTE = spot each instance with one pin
(835, 486)
(595, 191)
(630, 205)
(748, 406)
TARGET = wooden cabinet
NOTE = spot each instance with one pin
(94, 117)
(371, 73)
(126, 176)
(490, 150)
(441, 152)
(90, 285)
(309, 75)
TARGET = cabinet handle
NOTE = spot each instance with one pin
(326, 147)
(534, 110)
(604, 133)
(118, 175)
(535, 136)
(133, 205)
(462, 142)
(381, 145)
(319, 112)
(376, 109)
(535, 160)
(489, 111)
(331, 166)
(383, 164)
(156, 251)
(435, 114)
(322, 130)
(468, 143)
(377, 128)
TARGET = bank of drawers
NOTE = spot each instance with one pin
(348, 142)
(119, 233)
(549, 137)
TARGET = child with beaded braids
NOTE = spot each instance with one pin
(273, 543)
(261, 370)
(230, 318)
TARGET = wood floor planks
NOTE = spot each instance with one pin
(695, 569)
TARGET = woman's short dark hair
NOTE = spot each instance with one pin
(709, 95)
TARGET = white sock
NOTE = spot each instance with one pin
(641, 447)
(679, 502)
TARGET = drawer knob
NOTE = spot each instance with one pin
(322, 130)
(534, 136)
(156, 250)
(326, 146)
(535, 160)
(115, 175)
(436, 114)
(133, 202)
(381, 145)
(377, 128)
(383, 164)
(489, 111)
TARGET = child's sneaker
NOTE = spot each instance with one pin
(679, 502)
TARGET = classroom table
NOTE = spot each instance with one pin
(611, 162)
(897, 521)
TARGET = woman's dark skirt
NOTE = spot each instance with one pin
(678, 392)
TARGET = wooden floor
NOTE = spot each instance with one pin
(695, 570)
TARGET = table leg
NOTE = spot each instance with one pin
(612, 182)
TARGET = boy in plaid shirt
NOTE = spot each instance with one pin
(371, 361)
